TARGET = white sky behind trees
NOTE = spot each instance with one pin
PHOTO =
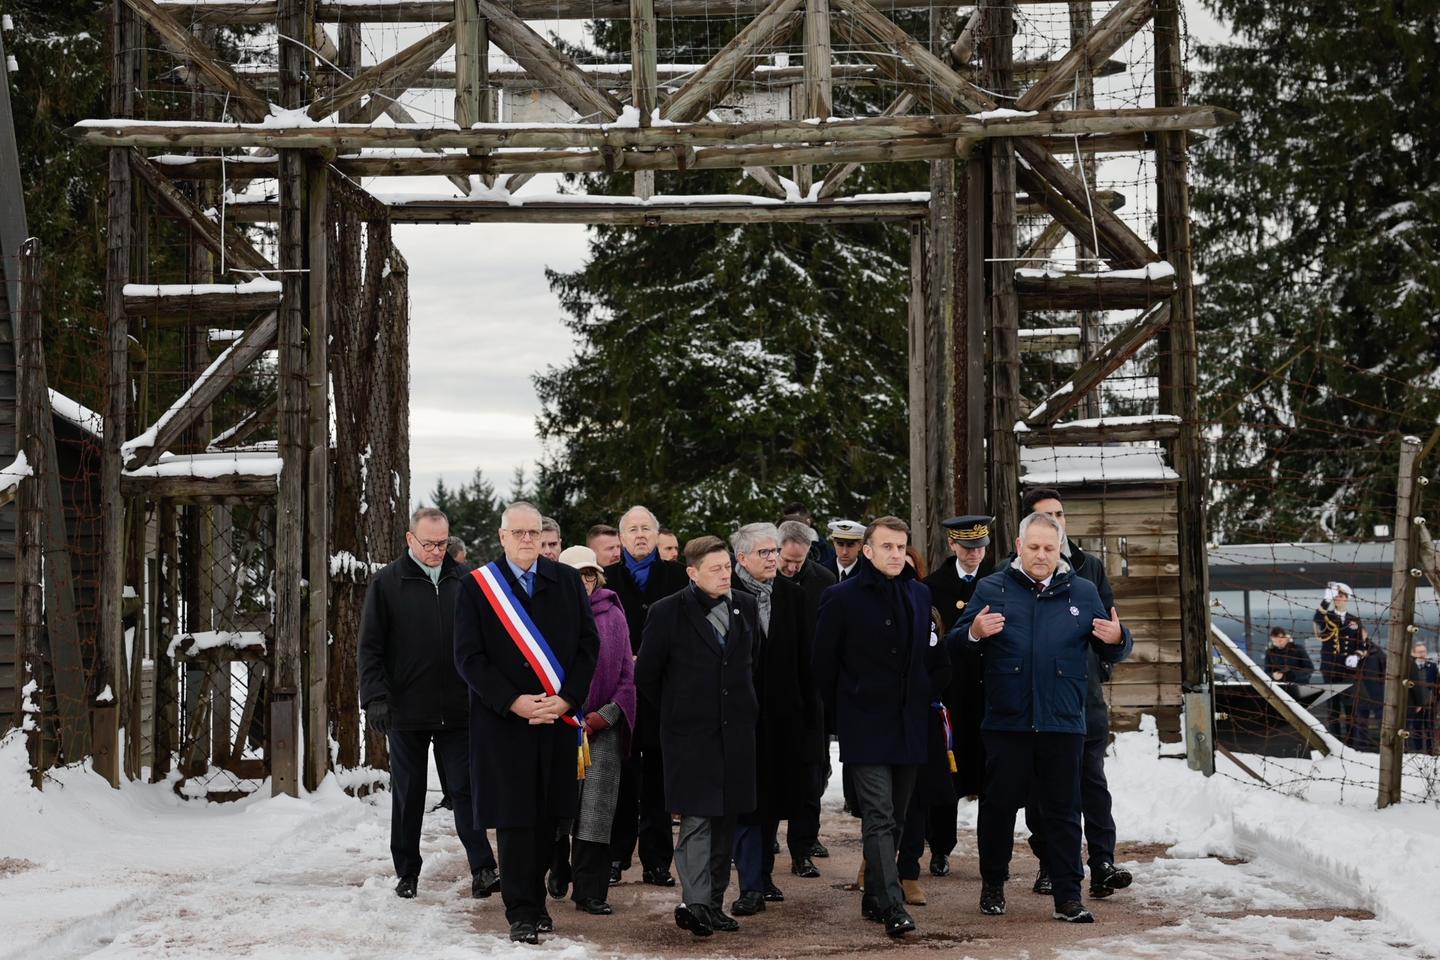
(483, 319)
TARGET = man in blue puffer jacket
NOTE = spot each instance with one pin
(1038, 624)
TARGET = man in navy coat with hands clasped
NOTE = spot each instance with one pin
(1038, 624)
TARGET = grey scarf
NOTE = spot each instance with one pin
(762, 590)
(719, 617)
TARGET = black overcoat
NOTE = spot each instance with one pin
(705, 695)
(789, 734)
(521, 773)
(965, 694)
(872, 668)
(949, 593)
(406, 654)
(934, 785)
(666, 577)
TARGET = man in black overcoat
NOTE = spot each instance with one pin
(789, 740)
(951, 586)
(640, 578)
(524, 755)
(870, 648)
(696, 666)
(414, 698)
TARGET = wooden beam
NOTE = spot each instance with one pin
(245, 101)
(231, 487)
(817, 86)
(187, 410)
(1068, 199)
(1310, 729)
(644, 79)
(1106, 361)
(1121, 23)
(1091, 292)
(836, 176)
(317, 480)
(341, 137)
(1003, 449)
(203, 308)
(873, 32)
(395, 72)
(473, 102)
(656, 212)
(1099, 432)
(735, 61)
(538, 57)
(229, 245)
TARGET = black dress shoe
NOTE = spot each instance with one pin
(939, 865)
(695, 920)
(818, 851)
(1072, 911)
(898, 922)
(546, 924)
(805, 867)
(556, 885)
(773, 893)
(598, 908)
(615, 872)
(871, 912)
(405, 889)
(484, 882)
(658, 878)
(1109, 875)
(750, 903)
(1042, 884)
(523, 931)
(720, 920)
(992, 899)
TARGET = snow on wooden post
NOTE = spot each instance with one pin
(1400, 635)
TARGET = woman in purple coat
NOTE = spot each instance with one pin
(609, 724)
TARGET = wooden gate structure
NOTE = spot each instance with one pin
(997, 134)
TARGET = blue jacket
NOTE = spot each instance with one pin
(871, 669)
(1037, 669)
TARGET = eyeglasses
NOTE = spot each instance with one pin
(765, 553)
(523, 534)
(430, 545)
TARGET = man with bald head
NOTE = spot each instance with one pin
(640, 578)
(526, 645)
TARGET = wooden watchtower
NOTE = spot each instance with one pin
(1011, 146)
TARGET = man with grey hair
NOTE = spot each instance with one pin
(1037, 623)
(641, 579)
(527, 645)
(549, 538)
(789, 739)
(414, 698)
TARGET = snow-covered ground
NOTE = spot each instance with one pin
(86, 871)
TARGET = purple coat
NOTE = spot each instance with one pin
(615, 669)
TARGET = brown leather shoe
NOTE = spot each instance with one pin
(913, 894)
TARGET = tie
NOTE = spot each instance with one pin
(968, 578)
(1037, 585)
(528, 579)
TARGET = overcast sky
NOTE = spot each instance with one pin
(483, 319)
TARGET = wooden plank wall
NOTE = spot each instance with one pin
(1138, 526)
(9, 669)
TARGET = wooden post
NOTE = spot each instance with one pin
(816, 81)
(968, 340)
(317, 486)
(1179, 395)
(295, 20)
(1082, 18)
(918, 405)
(1004, 306)
(1401, 630)
(472, 71)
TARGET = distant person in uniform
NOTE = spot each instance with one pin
(1285, 660)
(1338, 631)
(846, 537)
(1369, 700)
(1038, 623)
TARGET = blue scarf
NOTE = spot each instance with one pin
(640, 569)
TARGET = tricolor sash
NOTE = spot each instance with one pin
(949, 734)
(532, 646)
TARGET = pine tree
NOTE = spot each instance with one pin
(1318, 222)
(721, 371)
(474, 513)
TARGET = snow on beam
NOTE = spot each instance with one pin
(206, 302)
(1101, 430)
(205, 476)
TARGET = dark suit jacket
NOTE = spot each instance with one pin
(510, 759)
(705, 695)
(666, 577)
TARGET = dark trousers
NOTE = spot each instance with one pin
(1094, 808)
(590, 870)
(1341, 715)
(1042, 769)
(1420, 721)
(802, 831)
(657, 837)
(940, 827)
(912, 839)
(883, 793)
(702, 858)
(755, 854)
(408, 778)
(527, 852)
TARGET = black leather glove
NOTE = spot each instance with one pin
(377, 717)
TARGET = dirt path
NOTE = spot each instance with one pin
(821, 917)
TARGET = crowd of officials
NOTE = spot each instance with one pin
(627, 698)
(1355, 666)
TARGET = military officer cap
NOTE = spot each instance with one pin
(846, 530)
(969, 531)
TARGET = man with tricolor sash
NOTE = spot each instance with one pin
(526, 644)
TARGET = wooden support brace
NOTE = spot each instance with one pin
(245, 101)
(237, 251)
(735, 61)
(644, 79)
(397, 71)
(1121, 23)
(1106, 361)
(554, 69)
(836, 176)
